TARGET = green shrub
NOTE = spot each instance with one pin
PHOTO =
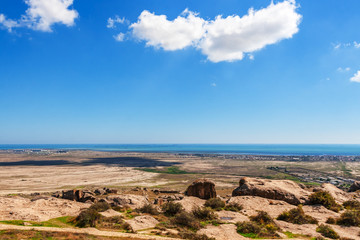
(215, 203)
(262, 218)
(204, 213)
(248, 227)
(327, 231)
(185, 219)
(87, 218)
(352, 205)
(331, 220)
(325, 199)
(171, 208)
(234, 207)
(100, 206)
(148, 208)
(297, 216)
(349, 218)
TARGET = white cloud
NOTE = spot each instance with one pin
(213, 84)
(157, 31)
(42, 14)
(356, 45)
(222, 39)
(251, 56)
(340, 69)
(356, 77)
(120, 37)
(7, 23)
(111, 22)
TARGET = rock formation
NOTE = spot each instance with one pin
(284, 190)
(202, 188)
(355, 186)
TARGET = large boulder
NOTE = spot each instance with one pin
(201, 188)
(127, 200)
(74, 195)
(284, 190)
(355, 186)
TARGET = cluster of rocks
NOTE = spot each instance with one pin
(86, 196)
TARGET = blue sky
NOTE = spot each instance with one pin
(286, 72)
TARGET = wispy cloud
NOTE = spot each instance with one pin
(111, 22)
(340, 69)
(42, 14)
(119, 37)
(224, 38)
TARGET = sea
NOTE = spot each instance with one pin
(249, 149)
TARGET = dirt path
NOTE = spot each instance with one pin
(91, 231)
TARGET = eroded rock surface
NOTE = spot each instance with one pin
(201, 188)
(284, 190)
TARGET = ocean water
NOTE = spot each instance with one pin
(256, 149)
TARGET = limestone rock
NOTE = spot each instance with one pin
(355, 186)
(142, 222)
(284, 190)
(201, 188)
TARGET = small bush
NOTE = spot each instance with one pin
(86, 218)
(215, 203)
(204, 213)
(327, 231)
(331, 220)
(171, 208)
(100, 206)
(352, 205)
(248, 227)
(325, 199)
(185, 219)
(262, 218)
(349, 218)
(148, 208)
(297, 216)
(234, 207)
(126, 226)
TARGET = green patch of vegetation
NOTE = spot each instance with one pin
(14, 222)
(324, 198)
(349, 218)
(187, 220)
(100, 206)
(296, 216)
(87, 218)
(327, 231)
(346, 172)
(260, 226)
(215, 203)
(285, 176)
(194, 236)
(168, 170)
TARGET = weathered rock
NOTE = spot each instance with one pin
(87, 197)
(189, 203)
(222, 232)
(142, 222)
(202, 188)
(74, 195)
(339, 195)
(132, 201)
(284, 190)
(355, 186)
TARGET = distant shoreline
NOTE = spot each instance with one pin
(217, 149)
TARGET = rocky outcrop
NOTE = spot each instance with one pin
(78, 195)
(189, 203)
(339, 195)
(284, 190)
(202, 188)
(355, 186)
(142, 222)
(222, 232)
(127, 200)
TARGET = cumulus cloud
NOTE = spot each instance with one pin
(7, 23)
(356, 77)
(111, 22)
(224, 38)
(159, 32)
(42, 14)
